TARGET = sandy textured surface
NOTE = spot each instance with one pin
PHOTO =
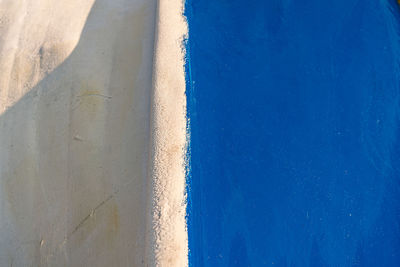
(168, 239)
(75, 101)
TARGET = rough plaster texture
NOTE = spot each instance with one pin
(168, 237)
(75, 101)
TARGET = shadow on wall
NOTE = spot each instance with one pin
(73, 150)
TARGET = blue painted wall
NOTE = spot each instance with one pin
(295, 148)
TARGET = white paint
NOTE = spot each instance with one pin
(168, 239)
(76, 78)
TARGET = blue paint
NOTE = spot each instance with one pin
(294, 117)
